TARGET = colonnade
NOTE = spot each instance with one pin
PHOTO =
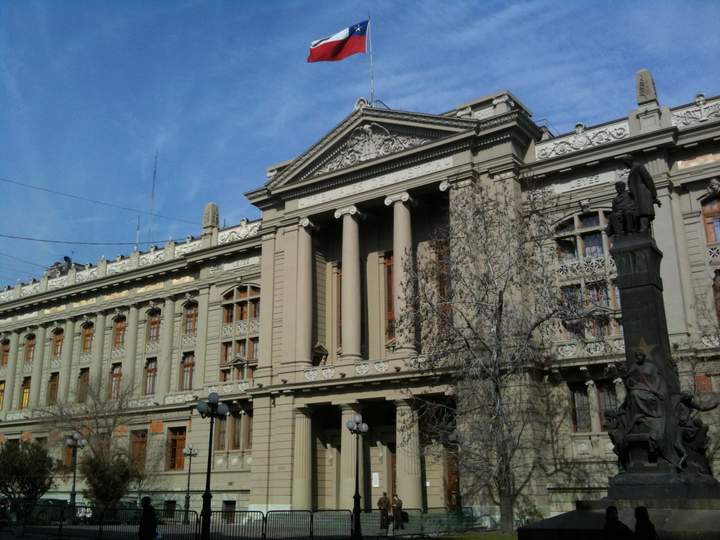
(408, 459)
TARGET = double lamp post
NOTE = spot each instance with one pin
(74, 442)
(357, 427)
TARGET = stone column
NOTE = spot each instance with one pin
(408, 465)
(67, 360)
(96, 375)
(37, 367)
(302, 461)
(166, 349)
(131, 349)
(10, 380)
(402, 257)
(594, 402)
(304, 319)
(201, 339)
(351, 284)
(348, 453)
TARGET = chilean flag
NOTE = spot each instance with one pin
(346, 42)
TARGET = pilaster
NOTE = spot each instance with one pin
(11, 379)
(408, 462)
(66, 360)
(37, 367)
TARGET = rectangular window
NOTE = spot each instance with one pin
(226, 353)
(57, 343)
(255, 309)
(87, 338)
(138, 448)
(220, 434)
(68, 457)
(119, 333)
(186, 373)
(2, 394)
(115, 381)
(253, 344)
(25, 393)
(608, 400)
(580, 408)
(52, 391)
(590, 220)
(190, 322)
(169, 508)
(389, 298)
(247, 423)
(150, 375)
(242, 311)
(176, 444)
(83, 384)
(5, 357)
(599, 327)
(228, 314)
(598, 294)
(567, 250)
(593, 245)
(236, 431)
(228, 511)
(241, 349)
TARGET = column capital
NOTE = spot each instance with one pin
(351, 210)
(590, 383)
(403, 197)
(618, 380)
(306, 223)
(350, 407)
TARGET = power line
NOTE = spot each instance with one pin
(74, 243)
(94, 201)
(22, 260)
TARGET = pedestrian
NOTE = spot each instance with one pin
(384, 505)
(148, 520)
(644, 528)
(397, 512)
(615, 529)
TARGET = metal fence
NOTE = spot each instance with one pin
(62, 521)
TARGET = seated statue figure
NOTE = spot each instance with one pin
(624, 212)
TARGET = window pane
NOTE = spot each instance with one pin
(598, 294)
(593, 245)
(567, 249)
(590, 220)
(581, 409)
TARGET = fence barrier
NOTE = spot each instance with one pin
(63, 521)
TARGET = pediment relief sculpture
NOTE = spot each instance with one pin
(367, 142)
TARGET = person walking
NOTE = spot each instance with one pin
(384, 505)
(148, 520)
(615, 529)
(397, 512)
(644, 528)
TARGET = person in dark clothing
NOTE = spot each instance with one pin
(615, 529)
(148, 520)
(397, 512)
(384, 506)
(644, 528)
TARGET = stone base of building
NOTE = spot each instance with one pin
(674, 519)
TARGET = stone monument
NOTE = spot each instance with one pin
(657, 433)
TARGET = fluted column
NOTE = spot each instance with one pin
(594, 403)
(408, 464)
(348, 453)
(304, 293)
(302, 461)
(351, 284)
(66, 360)
(401, 285)
(37, 367)
(10, 381)
(166, 347)
(131, 348)
(98, 352)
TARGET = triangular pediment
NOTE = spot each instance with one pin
(367, 135)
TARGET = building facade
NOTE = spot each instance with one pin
(291, 318)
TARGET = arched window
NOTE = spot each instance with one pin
(87, 337)
(29, 347)
(711, 219)
(57, 342)
(153, 325)
(190, 315)
(239, 342)
(119, 327)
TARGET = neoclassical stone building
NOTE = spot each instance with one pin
(291, 318)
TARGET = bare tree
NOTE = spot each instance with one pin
(486, 298)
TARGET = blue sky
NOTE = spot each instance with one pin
(89, 90)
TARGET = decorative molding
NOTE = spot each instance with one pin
(362, 368)
(351, 210)
(117, 352)
(152, 347)
(582, 139)
(27, 290)
(58, 282)
(711, 340)
(701, 111)
(86, 275)
(119, 266)
(153, 257)
(187, 247)
(567, 350)
(188, 340)
(587, 267)
(241, 232)
(310, 374)
(85, 358)
(380, 366)
(398, 197)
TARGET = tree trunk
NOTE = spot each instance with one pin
(506, 513)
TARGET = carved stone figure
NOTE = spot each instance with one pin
(616, 432)
(646, 392)
(692, 433)
(642, 189)
(624, 212)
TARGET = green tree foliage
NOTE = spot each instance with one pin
(26, 474)
(108, 476)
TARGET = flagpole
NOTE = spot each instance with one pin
(372, 71)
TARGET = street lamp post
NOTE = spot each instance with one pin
(74, 441)
(212, 408)
(190, 453)
(357, 427)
